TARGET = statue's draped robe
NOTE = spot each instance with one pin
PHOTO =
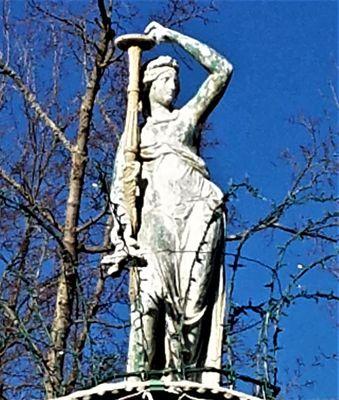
(177, 309)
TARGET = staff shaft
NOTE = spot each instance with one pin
(134, 44)
(131, 136)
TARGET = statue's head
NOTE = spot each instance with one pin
(160, 81)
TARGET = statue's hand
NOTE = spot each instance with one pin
(157, 32)
(130, 256)
(110, 263)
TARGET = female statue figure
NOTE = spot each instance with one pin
(177, 304)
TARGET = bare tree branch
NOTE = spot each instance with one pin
(32, 101)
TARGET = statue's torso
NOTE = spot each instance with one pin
(176, 176)
(175, 189)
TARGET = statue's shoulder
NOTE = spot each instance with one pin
(163, 118)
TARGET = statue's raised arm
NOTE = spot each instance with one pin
(219, 68)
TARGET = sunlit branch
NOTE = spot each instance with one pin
(34, 104)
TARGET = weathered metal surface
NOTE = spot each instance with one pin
(157, 390)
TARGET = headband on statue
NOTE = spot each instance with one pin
(158, 66)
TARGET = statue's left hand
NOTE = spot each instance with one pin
(157, 32)
(111, 265)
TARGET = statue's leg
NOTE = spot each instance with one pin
(157, 289)
(204, 299)
(144, 317)
(173, 350)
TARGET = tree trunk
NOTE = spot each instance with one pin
(69, 254)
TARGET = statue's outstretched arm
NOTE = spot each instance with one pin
(218, 67)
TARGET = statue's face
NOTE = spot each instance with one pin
(165, 88)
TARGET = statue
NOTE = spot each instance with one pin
(177, 244)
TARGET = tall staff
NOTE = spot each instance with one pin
(134, 44)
